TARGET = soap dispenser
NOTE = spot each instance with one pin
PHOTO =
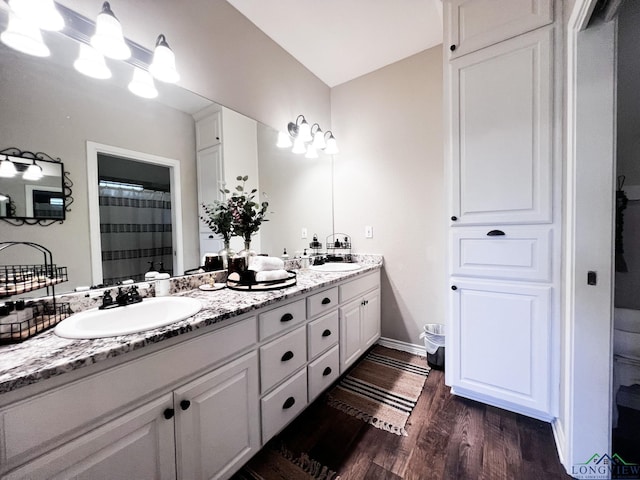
(305, 259)
(285, 255)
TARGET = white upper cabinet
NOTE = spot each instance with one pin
(208, 129)
(475, 24)
(501, 126)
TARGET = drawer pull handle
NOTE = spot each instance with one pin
(185, 404)
(168, 413)
(326, 333)
(287, 356)
(287, 317)
(326, 301)
(288, 403)
(452, 48)
(453, 287)
(327, 371)
(454, 218)
(495, 233)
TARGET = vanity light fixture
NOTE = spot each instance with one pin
(318, 137)
(163, 66)
(332, 145)
(7, 168)
(302, 134)
(42, 13)
(108, 38)
(311, 152)
(298, 146)
(24, 36)
(300, 129)
(33, 172)
(284, 140)
(90, 62)
(142, 84)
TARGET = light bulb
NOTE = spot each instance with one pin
(33, 172)
(298, 146)
(284, 140)
(318, 140)
(25, 37)
(332, 145)
(108, 38)
(163, 66)
(304, 131)
(142, 84)
(42, 13)
(7, 168)
(90, 62)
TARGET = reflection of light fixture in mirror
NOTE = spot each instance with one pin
(91, 63)
(284, 140)
(121, 185)
(25, 37)
(3, 197)
(33, 172)
(332, 145)
(7, 168)
(311, 152)
(108, 38)
(42, 13)
(300, 129)
(318, 137)
(298, 146)
(142, 84)
(163, 66)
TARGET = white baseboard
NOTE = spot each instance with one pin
(404, 346)
(560, 438)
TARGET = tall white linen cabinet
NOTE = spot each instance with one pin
(503, 165)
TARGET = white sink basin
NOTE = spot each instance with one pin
(336, 267)
(149, 314)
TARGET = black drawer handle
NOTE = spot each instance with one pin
(288, 403)
(327, 371)
(453, 287)
(495, 233)
(210, 236)
(185, 404)
(326, 333)
(287, 356)
(454, 218)
(326, 301)
(452, 48)
(168, 413)
(287, 317)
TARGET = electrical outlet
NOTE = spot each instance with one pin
(368, 231)
(303, 233)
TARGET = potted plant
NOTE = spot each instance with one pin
(218, 217)
(247, 214)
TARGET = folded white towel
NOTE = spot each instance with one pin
(262, 264)
(271, 275)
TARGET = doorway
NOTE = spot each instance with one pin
(129, 194)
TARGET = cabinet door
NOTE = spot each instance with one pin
(218, 420)
(208, 131)
(371, 319)
(475, 24)
(210, 178)
(139, 444)
(498, 347)
(501, 132)
(350, 334)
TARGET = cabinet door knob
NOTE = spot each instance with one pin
(453, 287)
(288, 403)
(185, 404)
(210, 236)
(326, 301)
(287, 356)
(326, 333)
(495, 233)
(327, 371)
(452, 48)
(287, 317)
(454, 218)
(168, 413)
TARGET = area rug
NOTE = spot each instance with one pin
(382, 389)
(281, 464)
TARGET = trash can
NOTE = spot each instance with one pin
(434, 343)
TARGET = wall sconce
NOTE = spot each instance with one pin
(33, 172)
(163, 66)
(108, 38)
(302, 134)
(24, 36)
(91, 63)
(142, 84)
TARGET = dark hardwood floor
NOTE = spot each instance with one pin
(449, 438)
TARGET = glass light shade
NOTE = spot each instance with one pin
(7, 169)
(332, 146)
(318, 140)
(42, 13)
(304, 131)
(284, 140)
(163, 66)
(25, 37)
(142, 84)
(298, 146)
(91, 63)
(311, 152)
(3, 197)
(108, 38)
(33, 172)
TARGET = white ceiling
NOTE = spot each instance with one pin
(339, 40)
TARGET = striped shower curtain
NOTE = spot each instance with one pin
(135, 230)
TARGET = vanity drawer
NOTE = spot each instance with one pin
(281, 318)
(323, 372)
(321, 302)
(322, 333)
(359, 286)
(282, 357)
(514, 253)
(283, 405)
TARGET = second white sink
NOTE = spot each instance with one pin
(149, 314)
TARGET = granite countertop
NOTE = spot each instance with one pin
(47, 355)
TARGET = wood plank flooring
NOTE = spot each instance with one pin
(449, 438)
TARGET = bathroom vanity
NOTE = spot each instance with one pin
(196, 399)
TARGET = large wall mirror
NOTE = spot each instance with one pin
(45, 105)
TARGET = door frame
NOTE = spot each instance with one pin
(93, 149)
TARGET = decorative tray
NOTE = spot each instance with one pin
(245, 283)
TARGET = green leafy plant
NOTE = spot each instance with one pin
(247, 214)
(219, 218)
